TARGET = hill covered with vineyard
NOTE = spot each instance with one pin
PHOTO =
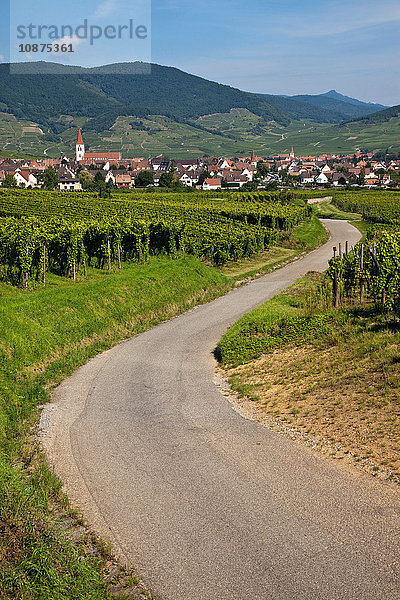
(167, 111)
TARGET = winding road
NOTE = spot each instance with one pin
(206, 504)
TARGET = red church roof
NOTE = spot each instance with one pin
(80, 139)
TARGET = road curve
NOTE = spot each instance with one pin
(206, 504)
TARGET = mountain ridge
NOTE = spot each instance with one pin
(123, 108)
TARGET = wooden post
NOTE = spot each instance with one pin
(119, 256)
(26, 276)
(44, 264)
(108, 253)
(347, 247)
(335, 290)
(362, 258)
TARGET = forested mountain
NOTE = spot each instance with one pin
(383, 116)
(125, 108)
(103, 95)
(339, 105)
(334, 94)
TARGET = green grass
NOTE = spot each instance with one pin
(327, 210)
(304, 238)
(284, 319)
(45, 335)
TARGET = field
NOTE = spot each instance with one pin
(334, 385)
(118, 266)
(34, 239)
(297, 362)
(49, 329)
(236, 133)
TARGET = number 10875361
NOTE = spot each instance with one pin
(46, 48)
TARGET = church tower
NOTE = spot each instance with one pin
(80, 147)
(292, 153)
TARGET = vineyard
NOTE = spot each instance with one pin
(36, 239)
(372, 269)
(375, 207)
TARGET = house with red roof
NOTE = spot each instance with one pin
(211, 184)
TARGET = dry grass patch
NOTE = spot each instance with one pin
(345, 396)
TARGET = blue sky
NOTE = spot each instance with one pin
(270, 46)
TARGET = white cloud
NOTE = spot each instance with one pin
(327, 19)
(105, 9)
(66, 57)
(70, 39)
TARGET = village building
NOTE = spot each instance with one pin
(92, 157)
(211, 184)
(69, 184)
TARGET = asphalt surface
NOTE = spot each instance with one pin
(206, 504)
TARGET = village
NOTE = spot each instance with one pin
(206, 173)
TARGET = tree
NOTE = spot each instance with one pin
(9, 181)
(361, 177)
(99, 177)
(144, 178)
(50, 178)
(272, 186)
(250, 186)
(262, 168)
(169, 180)
(87, 180)
(203, 176)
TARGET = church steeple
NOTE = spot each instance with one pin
(80, 147)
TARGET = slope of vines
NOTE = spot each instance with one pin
(375, 206)
(35, 239)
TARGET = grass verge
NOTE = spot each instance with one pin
(45, 335)
(327, 210)
(304, 238)
(333, 382)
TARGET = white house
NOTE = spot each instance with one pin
(110, 177)
(322, 179)
(211, 184)
(25, 178)
(69, 184)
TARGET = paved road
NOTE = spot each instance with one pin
(206, 504)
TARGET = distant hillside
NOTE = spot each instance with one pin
(334, 94)
(170, 112)
(103, 95)
(383, 116)
(339, 105)
(296, 109)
